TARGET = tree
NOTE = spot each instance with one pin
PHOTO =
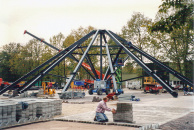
(180, 13)
(136, 32)
(74, 36)
(57, 41)
(174, 20)
(6, 71)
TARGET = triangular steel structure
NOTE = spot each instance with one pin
(122, 44)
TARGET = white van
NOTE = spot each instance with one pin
(176, 84)
(133, 84)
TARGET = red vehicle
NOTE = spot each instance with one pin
(3, 84)
(88, 83)
(151, 85)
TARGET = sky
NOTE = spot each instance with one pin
(46, 18)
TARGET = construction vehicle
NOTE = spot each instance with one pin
(100, 87)
(151, 85)
(176, 84)
(3, 84)
(119, 63)
(134, 84)
(48, 90)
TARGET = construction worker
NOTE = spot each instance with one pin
(185, 90)
(50, 85)
(110, 96)
(101, 108)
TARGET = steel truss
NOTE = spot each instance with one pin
(122, 45)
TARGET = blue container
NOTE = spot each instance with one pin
(79, 83)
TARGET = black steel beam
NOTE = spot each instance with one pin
(112, 46)
(70, 56)
(58, 76)
(46, 63)
(97, 54)
(132, 78)
(31, 72)
(91, 65)
(83, 67)
(42, 40)
(148, 71)
(80, 62)
(160, 64)
(47, 70)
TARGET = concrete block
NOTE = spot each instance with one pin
(124, 113)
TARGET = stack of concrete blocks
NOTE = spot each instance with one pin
(57, 107)
(23, 95)
(96, 99)
(42, 108)
(49, 108)
(124, 113)
(7, 114)
(12, 113)
(31, 111)
(72, 94)
(28, 114)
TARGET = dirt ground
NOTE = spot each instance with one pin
(162, 109)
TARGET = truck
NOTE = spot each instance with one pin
(3, 84)
(133, 84)
(176, 84)
(151, 85)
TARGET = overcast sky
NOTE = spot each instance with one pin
(45, 18)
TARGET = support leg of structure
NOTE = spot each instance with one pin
(111, 67)
(79, 64)
(148, 71)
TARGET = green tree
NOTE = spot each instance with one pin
(174, 20)
(8, 53)
(136, 32)
(74, 36)
(57, 41)
(177, 13)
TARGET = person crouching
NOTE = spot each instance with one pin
(101, 108)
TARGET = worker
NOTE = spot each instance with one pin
(185, 90)
(50, 85)
(110, 96)
(56, 86)
(101, 108)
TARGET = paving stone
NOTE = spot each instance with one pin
(11, 110)
(124, 113)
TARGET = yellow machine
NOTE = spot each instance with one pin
(149, 80)
(46, 90)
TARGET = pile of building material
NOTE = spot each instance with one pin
(71, 94)
(15, 112)
(124, 113)
(96, 99)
